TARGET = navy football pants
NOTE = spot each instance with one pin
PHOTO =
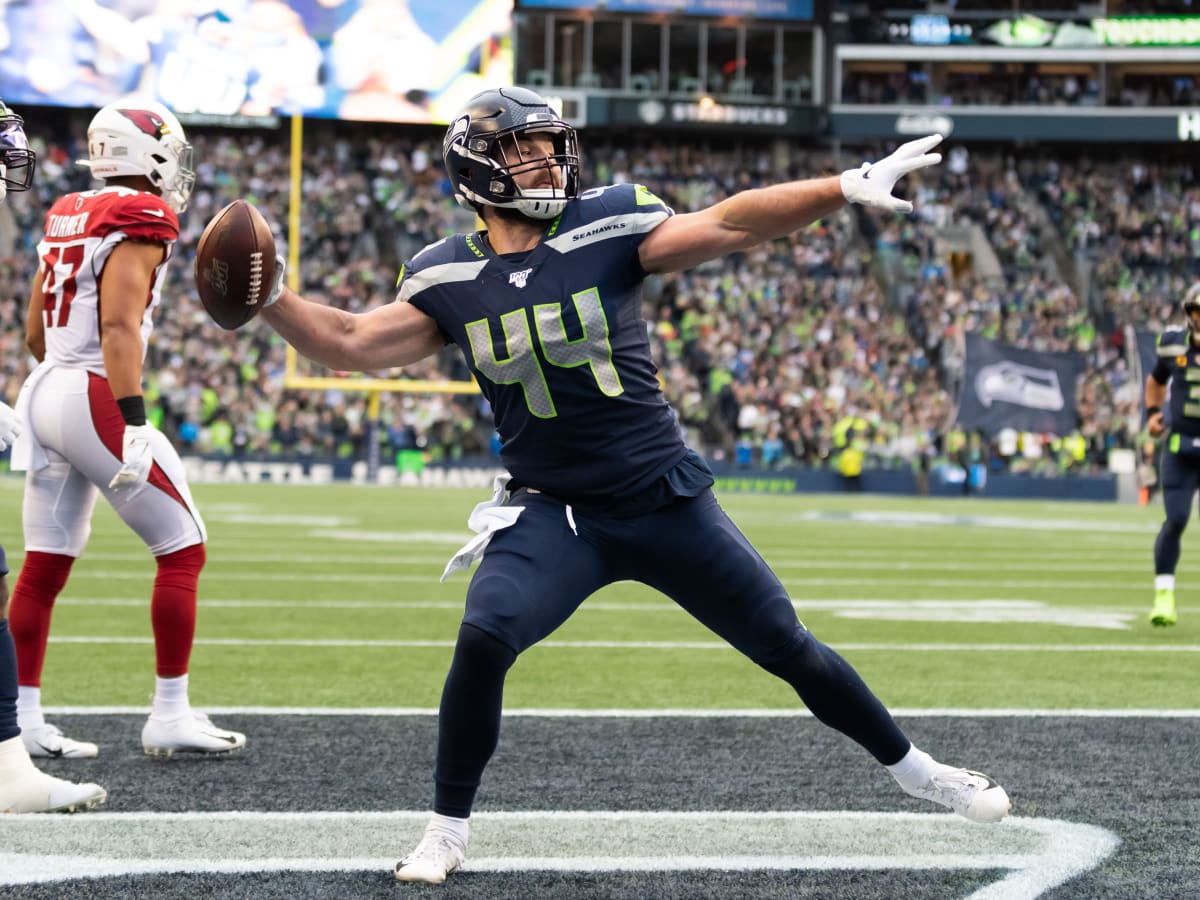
(1180, 481)
(538, 571)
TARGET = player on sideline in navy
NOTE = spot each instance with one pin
(545, 304)
(23, 787)
(1171, 407)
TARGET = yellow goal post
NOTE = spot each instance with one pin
(374, 388)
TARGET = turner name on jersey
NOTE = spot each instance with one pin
(556, 339)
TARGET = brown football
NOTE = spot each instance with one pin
(235, 264)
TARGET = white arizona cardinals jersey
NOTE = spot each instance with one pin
(81, 231)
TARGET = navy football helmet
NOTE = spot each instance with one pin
(16, 157)
(1191, 300)
(482, 156)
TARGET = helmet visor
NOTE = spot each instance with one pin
(551, 149)
(179, 191)
(18, 159)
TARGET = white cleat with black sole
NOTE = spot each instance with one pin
(193, 732)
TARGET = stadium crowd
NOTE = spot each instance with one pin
(849, 331)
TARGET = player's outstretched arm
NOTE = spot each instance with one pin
(754, 216)
(395, 334)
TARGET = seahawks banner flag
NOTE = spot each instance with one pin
(1005, 387)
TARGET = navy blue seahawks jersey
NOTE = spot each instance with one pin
(1178, 367)
(557, 342)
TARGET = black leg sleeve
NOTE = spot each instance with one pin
(469, 719)
(837, 696)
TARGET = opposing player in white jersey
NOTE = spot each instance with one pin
(23, 788)
(91, 308)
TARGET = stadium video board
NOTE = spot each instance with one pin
(1031, 31)
(367, 60)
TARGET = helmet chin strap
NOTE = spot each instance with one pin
(530, 207)
(541, 207)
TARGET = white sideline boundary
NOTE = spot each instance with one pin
(535, 713)
(1036, 854)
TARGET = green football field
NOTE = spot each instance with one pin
(328, 597)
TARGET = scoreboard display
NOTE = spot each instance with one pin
(374, 60)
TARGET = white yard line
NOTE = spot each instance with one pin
(1037, 854)
(869, 561)
(650, 645)
(914, 579)
(533, 713)
(832, 604)
(229, 550)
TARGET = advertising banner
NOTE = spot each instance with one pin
(705, 113)
(1067, 124)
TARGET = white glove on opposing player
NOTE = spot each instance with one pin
(10, 426)
(136, 457)
(277, 284)
(872, 183)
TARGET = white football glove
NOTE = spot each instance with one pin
(277, 284)
(136, 457)
(872, 183)
(10, 426)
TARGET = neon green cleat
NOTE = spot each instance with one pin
(1164, 608)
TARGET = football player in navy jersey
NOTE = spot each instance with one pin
(23, 787)
(545, 304)
(1171, 406)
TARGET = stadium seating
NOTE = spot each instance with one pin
(762, 353)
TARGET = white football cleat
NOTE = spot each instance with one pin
(26, 789)
(437, 856)
(193, 732)
(38, 792)
(972, 795)
(48, 742)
